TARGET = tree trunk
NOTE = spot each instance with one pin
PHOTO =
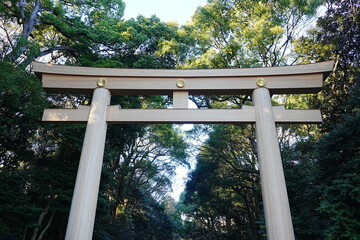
(47, 226)
(28, 24)
(41, 218)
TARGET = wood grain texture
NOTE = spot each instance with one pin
(273, 188)
(84, 201)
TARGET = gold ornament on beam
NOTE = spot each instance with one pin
(101, 82)
(180, 83)
(261, 82)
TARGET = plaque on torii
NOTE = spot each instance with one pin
(258, 82)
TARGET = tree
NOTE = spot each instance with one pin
(37, 28)
(136, 43)
(36, 167)
(238, 34)
(223, 192)
(246, 33)
(98, 38)
(336, 158)
(339, 160)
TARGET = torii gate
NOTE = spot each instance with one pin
(260, 82)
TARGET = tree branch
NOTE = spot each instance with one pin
(58, 48)
(46, 52)
(22, 9)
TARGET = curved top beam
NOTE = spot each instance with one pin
(321, 67)
(69, 79)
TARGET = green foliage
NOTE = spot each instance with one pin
(301, 173)
(21, 100)
(336, 37)
(340, 163)
(38, 162)
(148, 220)
(336, 161)
(135, 43)
(150, 153)
(222, 196)
(48, 27)
(246, 33)
(320, 170)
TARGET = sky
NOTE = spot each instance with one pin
(180, 11)
(167, 10)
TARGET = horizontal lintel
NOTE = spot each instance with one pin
(307, 83)
(290, 79)
(131, 116)
(76, 115)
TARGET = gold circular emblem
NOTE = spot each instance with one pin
(101, 82)
(261, 82)
(180, 83)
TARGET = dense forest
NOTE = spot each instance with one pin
(222, 198)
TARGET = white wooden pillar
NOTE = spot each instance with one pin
(276, 204)
(83, 207)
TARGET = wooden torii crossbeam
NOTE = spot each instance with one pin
(258, 82)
